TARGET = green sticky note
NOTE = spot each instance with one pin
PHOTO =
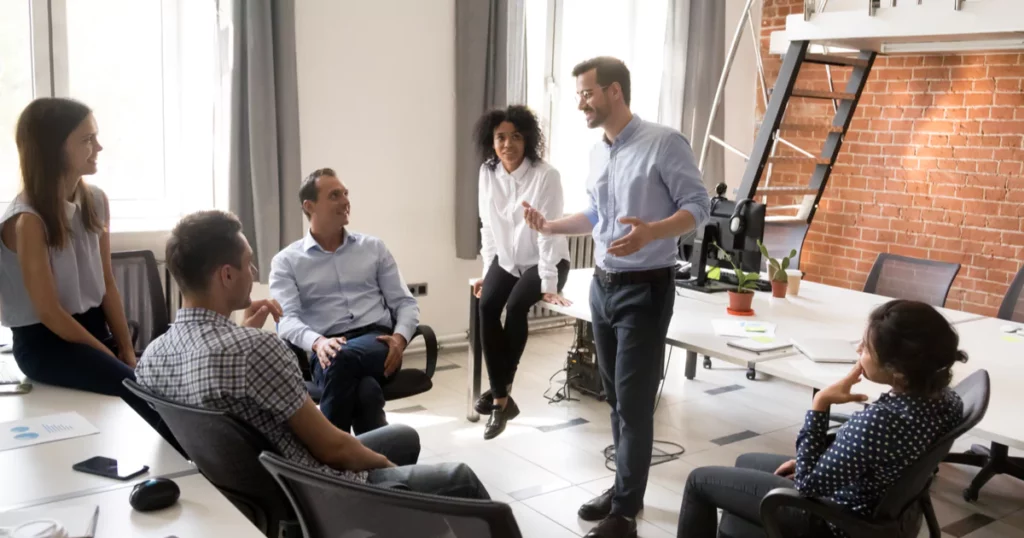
(1012, 338)
(715, 273)
(763, 339)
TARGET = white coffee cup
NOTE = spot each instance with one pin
(793, 275)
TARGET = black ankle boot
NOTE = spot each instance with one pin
(499, 418)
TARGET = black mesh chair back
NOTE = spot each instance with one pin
(226, 450)
(330, 507)
(899, 511)
(1012, 307)
(902, 277)
(142, 293)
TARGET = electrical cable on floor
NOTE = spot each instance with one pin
(562, 394)
(658, 455)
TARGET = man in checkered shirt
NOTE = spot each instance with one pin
(206, 360)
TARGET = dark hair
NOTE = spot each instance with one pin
(609, 70)
(200, 244)
(914, 340)
(43, 128)
(525, 122)
(309, 190)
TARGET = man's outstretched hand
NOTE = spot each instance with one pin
(535, 220)
(255, 316)
(636, 239)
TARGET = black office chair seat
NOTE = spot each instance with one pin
(407, 382)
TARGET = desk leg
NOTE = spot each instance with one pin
(473, 362)
(691, 365)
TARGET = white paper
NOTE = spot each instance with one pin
(45, 429)
(743, 329)
(79, 521)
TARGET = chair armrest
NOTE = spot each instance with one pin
(855, 526)
(430, 342)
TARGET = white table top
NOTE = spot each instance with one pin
(200, 511)
(987, 348)
(819, 311)
(40, 472)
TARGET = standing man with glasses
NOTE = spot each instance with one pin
(645, 191)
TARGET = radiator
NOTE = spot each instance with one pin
(581, 255)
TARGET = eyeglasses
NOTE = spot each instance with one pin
(587, 95)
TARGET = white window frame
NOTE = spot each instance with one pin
(157, 213)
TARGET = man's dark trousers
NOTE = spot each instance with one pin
(631, 312)
(352, 396)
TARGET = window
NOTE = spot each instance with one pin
(562, 33)
(155, 94)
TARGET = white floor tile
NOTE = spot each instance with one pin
(532, 524)
(997, 529)
(561, 506)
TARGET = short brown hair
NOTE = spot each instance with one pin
(309, 190)
(201, 243)
(609, 70)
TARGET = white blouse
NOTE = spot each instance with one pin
(504, 231)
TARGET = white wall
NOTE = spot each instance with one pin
(377, 103)
(740, 92)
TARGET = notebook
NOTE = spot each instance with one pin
(827, 350)
(759, 345)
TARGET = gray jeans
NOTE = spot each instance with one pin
(401, 444)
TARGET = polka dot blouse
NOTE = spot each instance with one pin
(872, 449)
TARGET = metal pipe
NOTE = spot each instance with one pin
(721, 83)
(757, 58)
(794, 146)
(726, 145)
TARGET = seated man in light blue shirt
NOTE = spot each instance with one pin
(343, 299)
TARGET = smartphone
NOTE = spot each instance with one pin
(109, 468)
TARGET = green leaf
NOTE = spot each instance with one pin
(785, 264)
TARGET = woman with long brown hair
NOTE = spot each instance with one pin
(57, 290)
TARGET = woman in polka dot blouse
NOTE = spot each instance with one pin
(907, 345)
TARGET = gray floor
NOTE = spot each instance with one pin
(549, 460)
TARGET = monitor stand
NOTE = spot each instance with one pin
(702, 283)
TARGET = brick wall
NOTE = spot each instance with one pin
(931, 168)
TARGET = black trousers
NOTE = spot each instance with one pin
(503, 345)
(739, 490)
(47, 358)
(352, 397)
(630, 324)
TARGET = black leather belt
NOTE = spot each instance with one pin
(626, 278)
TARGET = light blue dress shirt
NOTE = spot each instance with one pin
(649, 172)
(325, 293)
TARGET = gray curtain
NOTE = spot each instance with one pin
(694, 58)
(264, 162)
(481, 83)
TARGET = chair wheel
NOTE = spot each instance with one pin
(707, 363)
(751, 374)
(970, 495)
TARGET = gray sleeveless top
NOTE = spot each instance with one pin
(77, 268)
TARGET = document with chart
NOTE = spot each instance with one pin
(38, 430)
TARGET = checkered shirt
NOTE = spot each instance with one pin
(205, 360)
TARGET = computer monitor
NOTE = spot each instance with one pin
(700, 249)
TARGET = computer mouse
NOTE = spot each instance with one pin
(154, 494)
(1010, 329)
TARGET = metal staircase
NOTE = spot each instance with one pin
(783, 233)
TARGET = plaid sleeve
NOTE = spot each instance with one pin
(273, 379)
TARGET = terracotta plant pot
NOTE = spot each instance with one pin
(740, 302)
(779, 289)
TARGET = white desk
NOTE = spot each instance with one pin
(987, 348)
(43, 473)
(200, 511)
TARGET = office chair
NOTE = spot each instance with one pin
(407, 382)
(226, 451)
(902, 277)
(995, 459)
(328, 506)
(898, 514)
(142, 293)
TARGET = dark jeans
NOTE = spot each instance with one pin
(503, 346)
(352, 397)
(401, 444)
(630, 323)
(47, 358)
(739, 490)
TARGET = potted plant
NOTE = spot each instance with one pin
(741, 299)
(777, 271)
